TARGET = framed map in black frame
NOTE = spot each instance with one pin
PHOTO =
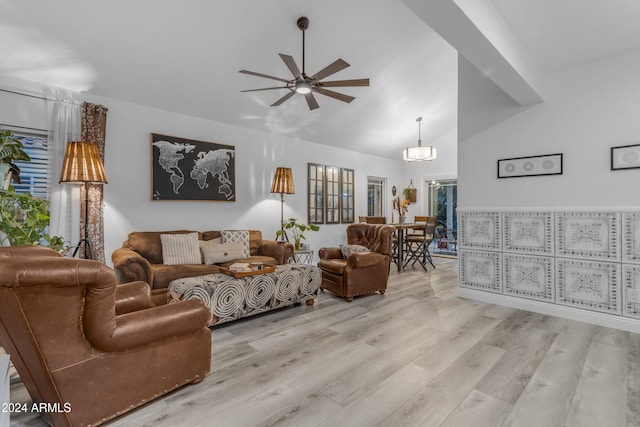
(625, 157)
(184, 169)
(517, 167)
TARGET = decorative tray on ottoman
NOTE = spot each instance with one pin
(237, 274)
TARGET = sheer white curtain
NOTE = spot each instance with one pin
(64, 126)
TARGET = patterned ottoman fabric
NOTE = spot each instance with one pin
(229, 298)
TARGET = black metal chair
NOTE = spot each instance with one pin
(417, 243)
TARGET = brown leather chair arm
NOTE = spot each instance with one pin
(133, 296)
(364, 260)
(148, 326)
(330, 253)
(280, 251)
(131, 266)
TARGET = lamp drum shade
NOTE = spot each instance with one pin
(283, 181)
(82, 164)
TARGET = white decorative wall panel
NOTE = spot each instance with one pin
(480, 230)
(480, 270)
(589, 260)
(530, 232)
(631, 233)
(631, 291)
(589, 284)
(588, 235)
(528, 276)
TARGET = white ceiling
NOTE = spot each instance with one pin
(185, 57)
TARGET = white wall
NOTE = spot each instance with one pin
(128, 204)
(587, 111)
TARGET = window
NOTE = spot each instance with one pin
(375, 196)
(443, 202)
(331, 192)
(34, 175)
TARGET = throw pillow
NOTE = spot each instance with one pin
(347, 250)
(213, 252)
(180, 249)
(241, 236)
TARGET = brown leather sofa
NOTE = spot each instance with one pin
(360, 273)
(89, 347)
(140, 258)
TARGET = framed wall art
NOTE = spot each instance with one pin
(518, 167)
(184, 169)
(625, 157)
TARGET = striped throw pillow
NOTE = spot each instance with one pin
(180, 249)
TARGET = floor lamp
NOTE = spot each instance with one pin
(82, 164)
(283, 184)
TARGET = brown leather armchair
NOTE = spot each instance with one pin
(80, 342)
(360, 273)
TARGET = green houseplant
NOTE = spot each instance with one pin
(296, 230)
(11, 150)
(24, 219)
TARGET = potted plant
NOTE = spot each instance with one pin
(296, 230)
(11, 150)
(24, 219)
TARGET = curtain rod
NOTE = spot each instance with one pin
(22, 127)
(39, 97)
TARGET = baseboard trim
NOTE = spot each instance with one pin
(581, 315)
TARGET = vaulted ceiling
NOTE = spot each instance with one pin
(185, 56)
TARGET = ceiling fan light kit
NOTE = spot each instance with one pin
(419, 153)
(308, 85)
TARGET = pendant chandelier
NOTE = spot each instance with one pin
(419, 153)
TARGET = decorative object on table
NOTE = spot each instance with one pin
(297, 230)
(411, 193)
(11, 150)
(419, 153)
(282, 184)
(305, 85)
(517, 167)
(82, 164)
(625, 157)
(184, 169)
(246, 271)
(402, 206)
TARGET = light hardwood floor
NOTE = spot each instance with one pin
(417, 356)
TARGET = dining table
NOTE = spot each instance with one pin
(401, 231)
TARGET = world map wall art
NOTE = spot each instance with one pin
(184, 169)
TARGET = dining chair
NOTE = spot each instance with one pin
(376, 220)
(417, 244)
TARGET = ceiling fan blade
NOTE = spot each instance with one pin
(291, 65)
(339, 96)
(334, 67)
(311, 101)
(265, 88)
(284, 98)
(344, 83)
(253, 73)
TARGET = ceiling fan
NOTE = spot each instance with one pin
(308, 85)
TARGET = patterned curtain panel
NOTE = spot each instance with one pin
(94, 123)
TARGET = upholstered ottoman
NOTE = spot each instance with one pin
(229, 298)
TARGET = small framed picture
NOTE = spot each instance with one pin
(549, 164)
(625, 157)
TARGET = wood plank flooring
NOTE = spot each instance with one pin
(417, 356)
